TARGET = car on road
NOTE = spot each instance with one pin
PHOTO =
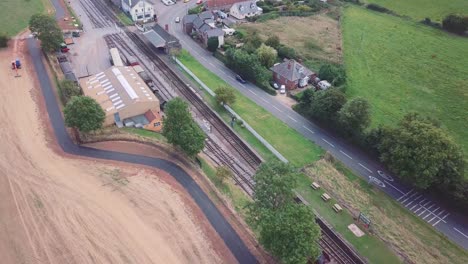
(240, 79)
(168, 2)
(282, 89)
(274, 85)
(177, 19)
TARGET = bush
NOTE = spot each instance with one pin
(268, 16)
(4, 40)
(68, 89)
(195, 10)
(427, 21)
(213, 44)
(286, 52)
(378, 8)
(335, 74)
(455, 24)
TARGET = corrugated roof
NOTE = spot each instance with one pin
(154, 38)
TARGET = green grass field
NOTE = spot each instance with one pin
(401, 66)
(292, 145)
(15, 14)
(436, 10)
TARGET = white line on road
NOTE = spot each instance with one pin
(413, 194)
(264, 100)
(404, 195)
(460, 232)
(415, 199)
(211, 64)
(393, 186)
(342, 152)
(441, 219)
(436, 215)
(292, 118)
(431, 212)
(252, 92)
(367, 169)
(328, 143)
(277, 109)
(243, 85)
(422, 206)
(308, 129)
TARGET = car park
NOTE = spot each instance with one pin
(240, 79)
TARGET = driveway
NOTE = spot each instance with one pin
(451, 223)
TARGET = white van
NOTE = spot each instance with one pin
(282, 89)
(324, 85)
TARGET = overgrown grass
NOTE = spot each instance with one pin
(145, 133)
(124, 19)
(420, 9)
(402, 66)
(15, 14)
(410, 236)
(297, 149)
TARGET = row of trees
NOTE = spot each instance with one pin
(287, 230)
(47, 30)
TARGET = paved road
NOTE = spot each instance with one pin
(451, 223)
(59, 11)
(219, 223)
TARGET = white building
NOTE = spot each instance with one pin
(139, 10)
(245, 9)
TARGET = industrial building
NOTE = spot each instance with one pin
(124, 97)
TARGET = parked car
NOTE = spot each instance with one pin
(199, 2)
(240, 79)
(186, 1)
(177, 19)
(323, 85)
(274, 85)
(282, 89)
(168, 2)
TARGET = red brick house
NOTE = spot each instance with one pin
(291, 74)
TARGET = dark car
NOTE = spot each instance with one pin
(240, 79)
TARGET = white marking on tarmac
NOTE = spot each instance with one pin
(441, 219)
(413, 194)
(308, 129)
(393, 186)
(252, 92)
(342, 152)
(365, 167)
(460, 232)
(431, 212)
(328, 142)
(292, 118)
(211, 64)
(404, 195)
(264, 100)
(277, 109)
(422, 206)
(435, 216)
(415, 199)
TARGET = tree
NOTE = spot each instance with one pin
(68, 89)
(273, 41)
(84, 113)
(336, 75)
(4, 40)
(354, 116)
(48, 31)
(421, 153)
(180, 129)
(223, 173)
(267, 55)
(225, 95)
(291, 234)
(286, 52)
(327, 103)
(455, 24)
(213, 44)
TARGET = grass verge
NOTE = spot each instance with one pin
(406, 67)
(297, 149)
(15, 14)
(124, 19)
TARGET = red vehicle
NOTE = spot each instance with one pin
(199, 2)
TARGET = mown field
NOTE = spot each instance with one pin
(401, 66)
(420, 9)
(15, 14)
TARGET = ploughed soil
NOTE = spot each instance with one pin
(56, 208)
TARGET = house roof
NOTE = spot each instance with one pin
(132, 3)
(189, 18)
(205, 15)
(198, 22)
(291, 70)
(215, 32)
(246, 7)
(204, 28)
(159, 37)
(117, 88)
(213, 4)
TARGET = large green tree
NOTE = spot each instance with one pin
(327, 103)
(68, 89)
(247, 65)
(335, 74)
(422, 153)
(354, 116)
(180, 129)
(225, 95)
(273, 41)
(267, 55)
(84, 113)
(287, 230)
(48, 31)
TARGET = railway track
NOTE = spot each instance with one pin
(96, 15)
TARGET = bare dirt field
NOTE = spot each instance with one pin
(55, 209)
(316, 37)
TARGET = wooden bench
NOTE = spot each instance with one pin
(337, 208)
(325, 197)
(315, 186)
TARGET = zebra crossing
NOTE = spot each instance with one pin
(423, 208)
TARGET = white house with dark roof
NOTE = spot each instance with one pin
(139, 10)
(245, 9)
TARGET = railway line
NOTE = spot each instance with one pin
(330, 242)
(96, 15)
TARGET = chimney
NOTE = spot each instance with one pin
(289, 64)
(166, 27)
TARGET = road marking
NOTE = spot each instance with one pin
(232, 78)
(441, 219)
(328, 142)
(308, 129)
(393, 186)
(422, 206)
(431, 212)
(404, 195)
(426, 209)
(435, 216)
(460, 232)
(211, 64)
(264, 100)
(277, 109)
(415, 199)
(411, 209)
(346, 154)
(292, 118)
(409, 197)
(365, 167)
(252, 92)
